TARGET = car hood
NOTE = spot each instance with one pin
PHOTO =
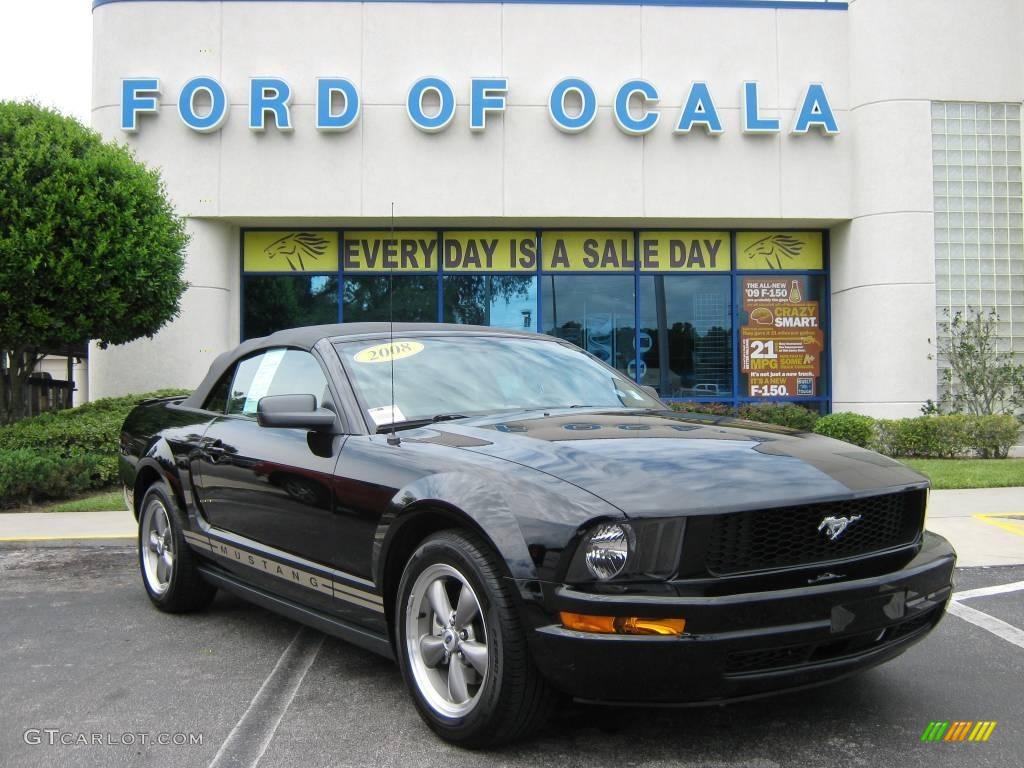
(661, 463)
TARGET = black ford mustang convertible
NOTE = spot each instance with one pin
(513, 520)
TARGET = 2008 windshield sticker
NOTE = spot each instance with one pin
(385, 353)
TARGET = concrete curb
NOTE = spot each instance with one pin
(77, 526)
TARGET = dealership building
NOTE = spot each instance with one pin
(729, 200)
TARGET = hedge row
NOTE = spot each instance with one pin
(934, 436)
(783, 414)
(61, 453)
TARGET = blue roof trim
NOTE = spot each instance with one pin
(804, 5)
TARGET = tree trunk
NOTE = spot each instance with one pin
(14, 383)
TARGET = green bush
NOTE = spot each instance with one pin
(782, 414)
(991, 437)
(60, 453)
(923, 436)
(948, 436)
(715, 409)
(31, 476)
(853, 428)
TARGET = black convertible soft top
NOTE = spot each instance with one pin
(308, 336)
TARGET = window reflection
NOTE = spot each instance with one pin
(500, 301)
(275, 302)
(367, 299)
(594, 312)
(686, 335)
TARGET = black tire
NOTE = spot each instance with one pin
(185, 590)
(509, 699)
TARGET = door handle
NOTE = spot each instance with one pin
(216, 448)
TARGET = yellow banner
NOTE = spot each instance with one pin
(482, 251)
(385, 251)
(568, 251)
(684, 252)
(290, 252)
(760, 251)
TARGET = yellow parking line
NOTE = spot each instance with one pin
(1012, 527)
(71, 538)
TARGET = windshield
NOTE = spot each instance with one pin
(466, 375)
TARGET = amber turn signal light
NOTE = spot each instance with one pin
(622, 625)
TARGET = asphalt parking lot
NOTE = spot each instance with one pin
(82, 652)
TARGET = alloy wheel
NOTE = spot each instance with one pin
(157, 542)
(446, 640)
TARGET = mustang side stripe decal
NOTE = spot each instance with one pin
(287, 572)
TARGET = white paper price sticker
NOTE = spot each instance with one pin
(261, 381)
(386, 414)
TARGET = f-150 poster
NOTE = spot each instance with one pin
(781, 343)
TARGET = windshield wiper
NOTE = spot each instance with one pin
(412, 423)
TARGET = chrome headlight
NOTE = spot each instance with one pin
(639, 549)
(608, 549)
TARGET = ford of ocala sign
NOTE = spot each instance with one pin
(572, 105)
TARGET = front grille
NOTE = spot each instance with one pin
(758, 540)
(765, 659)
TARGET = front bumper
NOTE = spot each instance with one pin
(749, 644)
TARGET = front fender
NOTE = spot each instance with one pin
(528, 517)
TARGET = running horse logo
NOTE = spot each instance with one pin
(296, 247)
(773, 249)
(834, 526)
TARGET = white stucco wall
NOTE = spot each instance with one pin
(902, 57)
(881, 63)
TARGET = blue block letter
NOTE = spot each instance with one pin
(487, 94)
(132, 103)
(699, 109)
(556, 105)
(326, 87)
(269, 94)
(218, 105)
(636, 126)
(815, 112)
(752, 120)
(414, 104)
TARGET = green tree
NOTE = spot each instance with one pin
(90, 247)
(977, 376)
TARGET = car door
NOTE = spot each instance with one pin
(269, 485)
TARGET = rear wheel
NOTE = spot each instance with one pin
(169, 568)
(461, 646)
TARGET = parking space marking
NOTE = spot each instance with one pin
(996, 626)
(995, 589)
(253, 733)
(1007, 521)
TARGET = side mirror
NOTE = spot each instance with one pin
(295, 411)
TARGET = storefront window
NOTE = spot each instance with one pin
(274, 302)
(686, 335)
(367, 299)
(736, 316)
(500, 301)
(595, 312)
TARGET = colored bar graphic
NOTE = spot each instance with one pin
(982, 730)
(958, 730)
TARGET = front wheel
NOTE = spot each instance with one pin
(461, 646)
(169, 569)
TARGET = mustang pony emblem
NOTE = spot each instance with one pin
(773, 249)
(836, 525)
(296, 246)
